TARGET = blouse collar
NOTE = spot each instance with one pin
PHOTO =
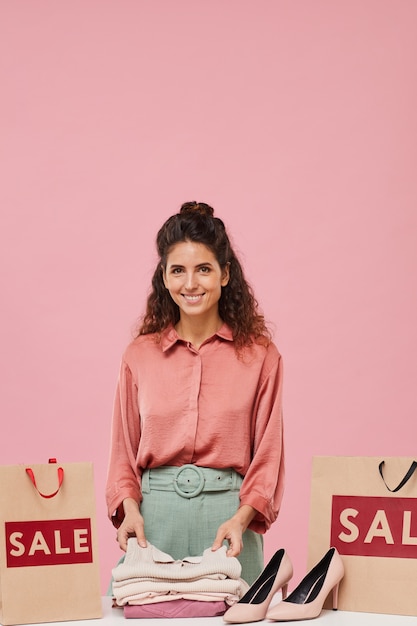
(169, 336)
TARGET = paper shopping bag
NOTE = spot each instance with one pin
(48, 546)
(366, 507)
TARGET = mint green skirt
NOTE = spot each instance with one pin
(183, 508)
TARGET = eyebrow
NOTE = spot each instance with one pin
(174, 265)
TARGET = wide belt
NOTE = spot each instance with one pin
(188, 481)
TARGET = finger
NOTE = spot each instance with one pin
(235, 546)
(218, 541)
(122, 539)
(140, 536)
(138, 529)
(233, 551)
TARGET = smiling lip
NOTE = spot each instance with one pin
(190, 298)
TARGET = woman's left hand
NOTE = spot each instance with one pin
(232, 530)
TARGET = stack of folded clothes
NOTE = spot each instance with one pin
(150, 583)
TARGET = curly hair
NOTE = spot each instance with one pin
(237, 305)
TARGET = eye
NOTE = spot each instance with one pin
(176, 270)
(204, 269)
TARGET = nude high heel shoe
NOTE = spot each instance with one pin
(307, 599)
(254, 604)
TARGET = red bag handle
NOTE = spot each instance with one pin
(29, 472)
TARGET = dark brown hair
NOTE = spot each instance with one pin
(237, 305)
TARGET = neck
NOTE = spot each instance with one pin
(195, 331)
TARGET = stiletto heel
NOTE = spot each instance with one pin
(307, 599)
(254, 604)
(335, 596)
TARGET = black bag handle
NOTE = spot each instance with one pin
(406, 478)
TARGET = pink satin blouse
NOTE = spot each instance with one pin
(211, 407)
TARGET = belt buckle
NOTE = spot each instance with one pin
(197, 490)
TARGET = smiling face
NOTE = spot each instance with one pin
(194, 280)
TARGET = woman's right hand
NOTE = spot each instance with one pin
(132, 525)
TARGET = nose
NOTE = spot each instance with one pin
(190, 281)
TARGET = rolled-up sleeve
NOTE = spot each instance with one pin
(263, 484)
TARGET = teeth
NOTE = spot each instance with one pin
(192, 297)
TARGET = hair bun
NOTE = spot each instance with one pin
(197, 207)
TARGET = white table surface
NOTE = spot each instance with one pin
(115, 617)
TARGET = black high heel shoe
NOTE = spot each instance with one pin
(254, 604)
(307, 599)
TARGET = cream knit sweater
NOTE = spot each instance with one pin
(147, 574)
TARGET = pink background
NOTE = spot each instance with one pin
(296, 120)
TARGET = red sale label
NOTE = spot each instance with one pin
(52, 542)
(374, 526)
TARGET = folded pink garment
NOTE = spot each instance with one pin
(175, 608)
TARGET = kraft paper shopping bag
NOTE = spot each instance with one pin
(48, 545)
(366, 507)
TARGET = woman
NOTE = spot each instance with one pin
(197, 452)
